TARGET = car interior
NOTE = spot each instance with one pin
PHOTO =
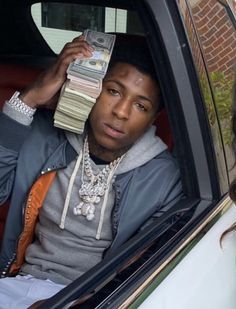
(22, 58)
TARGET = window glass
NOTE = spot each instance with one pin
(217, 38)
(206, 91)
(61, 22)
(73, 17)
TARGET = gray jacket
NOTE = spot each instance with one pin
(27, 152)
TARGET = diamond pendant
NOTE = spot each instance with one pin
(94, 188)
(85, 209)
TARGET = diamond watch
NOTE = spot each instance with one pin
(16, 103)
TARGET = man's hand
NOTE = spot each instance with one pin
(45, 90)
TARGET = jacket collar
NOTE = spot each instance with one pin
(60, 158)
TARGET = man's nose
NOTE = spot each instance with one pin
(122, 108)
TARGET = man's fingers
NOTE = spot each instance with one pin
(77, 47)
(70, 54)
(79, 38)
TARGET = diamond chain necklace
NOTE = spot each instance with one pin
(93, 189)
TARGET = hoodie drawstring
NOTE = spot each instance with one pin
(69, 190)
(104, 204)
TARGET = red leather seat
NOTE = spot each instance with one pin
(163, 129)
(15, 77)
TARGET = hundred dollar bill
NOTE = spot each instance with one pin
(96, 65)
(100, 40)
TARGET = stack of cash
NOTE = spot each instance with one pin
(84, 83)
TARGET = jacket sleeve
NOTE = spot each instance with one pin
(12, 136)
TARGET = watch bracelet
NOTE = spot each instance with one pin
(17, 104)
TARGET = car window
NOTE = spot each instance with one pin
(216, 37)
(61, 22)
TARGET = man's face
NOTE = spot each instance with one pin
(125, 109)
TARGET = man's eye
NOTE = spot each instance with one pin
(141, 106)
(113, 91)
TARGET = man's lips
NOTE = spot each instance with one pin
(113, 131)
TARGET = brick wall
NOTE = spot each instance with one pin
(217, 36)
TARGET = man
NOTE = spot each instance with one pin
(82, 195)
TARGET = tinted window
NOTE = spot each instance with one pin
(72, 16)
(61, 22)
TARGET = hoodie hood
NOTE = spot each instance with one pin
(146, 148)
